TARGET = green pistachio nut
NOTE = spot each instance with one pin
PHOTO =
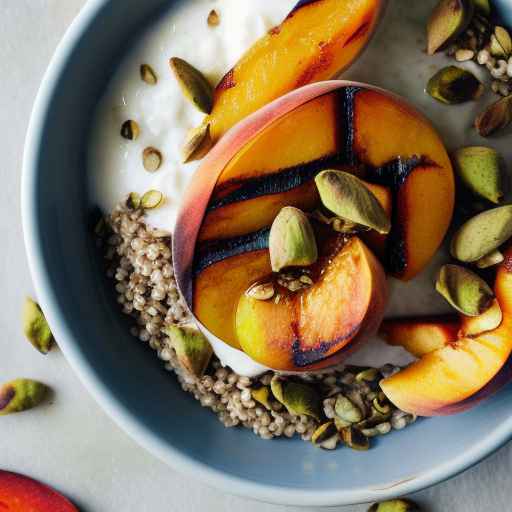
(347, 196)
(347, 411)
(326, 436)
(448, 20)
(495, 117)
(482, 234)
(464, 290)
(192, 348)
(298, 398)
(262, 396)
(395, 506)
(479, 169)
(197, 143)
(21, 395)
(452, 85)
(292, 241)
(194, 85)
(355, 439)
(35, 327)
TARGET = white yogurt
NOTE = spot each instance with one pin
(164, 116)
(395, 60)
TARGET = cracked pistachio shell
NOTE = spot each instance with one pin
(448, 20)
(194, 85)
(325, 434)
(298, 398)
(292, 241)
(21, 395)
(192, 348)
(262, 396)
(348, 197)
(197, 143)
(490, 260)
(479, 168)
(395, 506)
(482, 234)
(464, 290)
(452, 85)
(355, 439)
(347, 411)
(35, 327)
(495, 117)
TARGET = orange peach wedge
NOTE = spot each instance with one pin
(456, 377)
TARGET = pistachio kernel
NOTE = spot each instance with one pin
(261, 291)
(346, 410)
(448, 20)
(151, 159)
(130, 130)
(21, 395)
(501, 43)
(490, 260)
(151, 199)
(381, 406)
(368, 375)
(262, 396)
(133, 201)
(479, 169)
(148, 75)
(464, 290)
(298, 398)
(197, 143)
(482, 234)
(347, 196)
(495, 117)
(464, 54)
(213, 18)
(194, 85)
(452, 85)
(36, 327)
(192, 348)
(326, 436)
(355, 439)
(292, 241)
(395, 506)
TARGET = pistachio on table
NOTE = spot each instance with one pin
(479, 169)
(464, 290)
(292, 241)
(346, 196)
(298, 398)
(452, 85)
(490, 260)
(399, 505)
(482, 234)
(326, 436)
(194, 85)
(448, 20)
(21, 395)
(495, 117)
(192, 348)
(197, 143)
(36, 327)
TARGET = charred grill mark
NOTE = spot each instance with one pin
(212, 252)
(227, 82)
(346, 108)
(276, 183)
(395, 173)
(300, 5)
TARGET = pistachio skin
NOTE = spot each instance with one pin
(452, 85)
(298, 398)
(399, 505)
(495, 117)
(197, 143)
(36, 328)
(21, 395)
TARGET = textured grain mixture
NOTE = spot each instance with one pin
(349, 399)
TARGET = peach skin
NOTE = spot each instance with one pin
(459, 375)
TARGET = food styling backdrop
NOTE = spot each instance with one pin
(70, 443)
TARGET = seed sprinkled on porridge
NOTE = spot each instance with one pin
(148, 75)
(213, 18)
(151, 159)
(140, 262)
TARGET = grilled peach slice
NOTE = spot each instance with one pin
(19, 493)
(309, 329)
(459, 375)
(419, 336)
(317, 40)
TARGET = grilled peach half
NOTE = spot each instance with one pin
(459, 375)
(317, 40)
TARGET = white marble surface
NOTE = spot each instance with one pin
(71, 443)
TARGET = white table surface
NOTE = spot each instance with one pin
(71, 443)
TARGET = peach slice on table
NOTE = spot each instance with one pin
(461, 374)
(252, 173)
(316, 41)
(419, 336)
(19, 493)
